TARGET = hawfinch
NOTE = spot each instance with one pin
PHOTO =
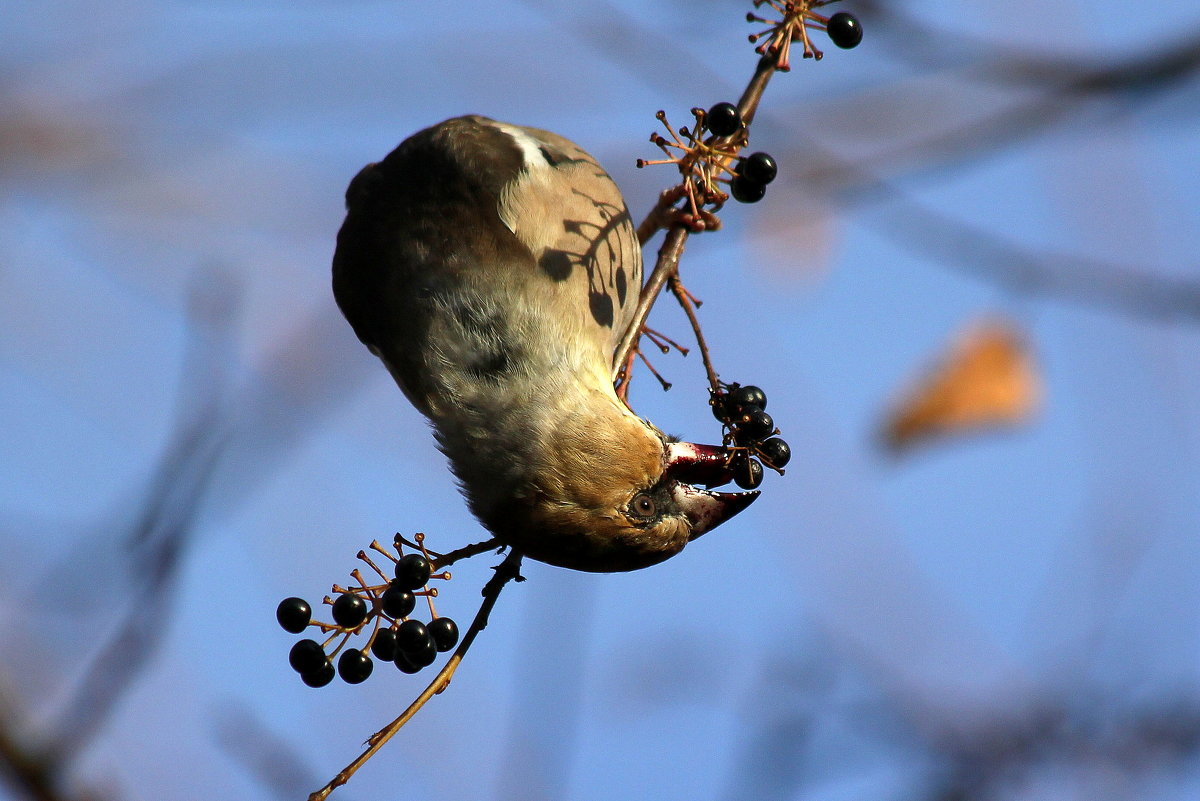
(493, 269)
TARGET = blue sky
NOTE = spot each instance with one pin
(172, 180)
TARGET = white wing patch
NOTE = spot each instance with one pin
(531, 149)
(527, 202)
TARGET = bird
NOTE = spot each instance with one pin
(493, 268)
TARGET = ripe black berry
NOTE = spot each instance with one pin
(423, 655)
(384, 646)
(746, 191)
(759, 168)
(775, 451)
(307, 656)
(293, 614)
(349, 610)
(397, 601)
(444, 632)
(405, 664)
(354, 666)
(319, 677)
(753, 424)
(416, 643)
(412, 571)
(747, 473)
(411, 635)
(844, 30)
(749, 395)
(720, 406)
(723, 119)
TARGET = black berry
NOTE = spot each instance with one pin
(746, 191)
(307, 656)
(844, 30)
(444, 632)
(754, 424)
(354, 666)
(349, 610)
(293, 614)
(405, 664)
(416, 643)
(423, 655)
(775, 451)
(759, 168)
(749, 395)
(723, 119)
(397, 601)
(412, 635)
(319, 677)
(747, 473)
(720, 406)
(384, 646)
(412, 571)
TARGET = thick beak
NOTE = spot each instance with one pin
(705, 509)
(708, 465)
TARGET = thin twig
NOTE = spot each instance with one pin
(506, 571)
(467, 551)
(687, 302)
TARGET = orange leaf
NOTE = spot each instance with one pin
(985, 381)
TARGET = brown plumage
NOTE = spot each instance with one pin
(493, 269)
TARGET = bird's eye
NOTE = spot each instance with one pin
(643, 505)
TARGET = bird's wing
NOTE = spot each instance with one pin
(464, 218)
(578, 227)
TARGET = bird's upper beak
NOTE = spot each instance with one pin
(692, 464)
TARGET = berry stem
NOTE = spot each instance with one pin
(375, 546)
(506, 571)
(429, 596)
(664, 342)
(363, 556)
(664, 382)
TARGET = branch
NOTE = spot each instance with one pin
(465, 552)
(506, 571)
(667, 266)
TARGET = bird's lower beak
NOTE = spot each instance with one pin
(705, 509)
(691, 464)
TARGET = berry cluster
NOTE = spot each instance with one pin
(395, 636)
(704, 160)
(754, 172)
(751, 433)
(796, 17)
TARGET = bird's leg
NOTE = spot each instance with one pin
(508, 570)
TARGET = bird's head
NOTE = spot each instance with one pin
(610, 492)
